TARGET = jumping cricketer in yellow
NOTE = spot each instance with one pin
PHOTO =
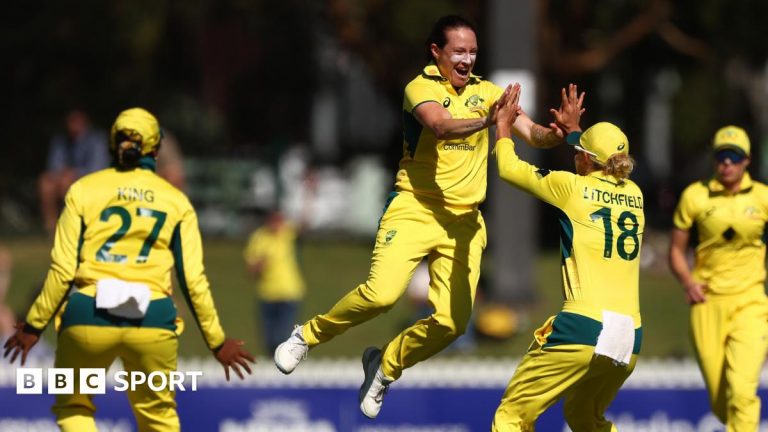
(433, 212)
(122, 231)
(726, 290)
(585, 352)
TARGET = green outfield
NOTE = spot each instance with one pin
(332, 268)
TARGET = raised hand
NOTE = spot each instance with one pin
(508, 112)
(231, 355)
(567, 117)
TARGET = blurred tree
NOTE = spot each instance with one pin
(618, 51)
(233, 77)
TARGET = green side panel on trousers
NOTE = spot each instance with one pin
(575, 329)
(81, 310)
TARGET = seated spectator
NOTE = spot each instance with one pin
(79, 151)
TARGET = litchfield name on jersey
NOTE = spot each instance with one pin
(606, 197)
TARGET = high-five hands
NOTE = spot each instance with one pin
(492, 117)
(567, 117)
(507, 111)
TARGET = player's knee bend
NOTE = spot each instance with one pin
(581, 417)
(449, 328)
(507, 419)
(67, 405)
(378, 296)
(744, 402)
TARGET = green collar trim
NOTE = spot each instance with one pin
(148, 162)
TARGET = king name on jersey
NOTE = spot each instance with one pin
(135, 194)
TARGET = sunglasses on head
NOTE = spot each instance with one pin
(728, 154)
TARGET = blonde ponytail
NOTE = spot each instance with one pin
(619, 165)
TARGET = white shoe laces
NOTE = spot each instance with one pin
(298, 347)
(379, 388)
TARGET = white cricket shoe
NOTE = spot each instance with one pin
(290, 353)
(376, 384)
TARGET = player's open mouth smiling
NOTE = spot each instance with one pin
(462, 72)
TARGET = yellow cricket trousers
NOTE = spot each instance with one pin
(730, 335)
(453, 240)
(588, 383)
(141, 349)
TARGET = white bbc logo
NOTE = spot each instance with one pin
(61, 381)
(93, 380)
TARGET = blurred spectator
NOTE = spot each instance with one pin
(170, 161)
(7, 317)
(71, 155)
(271, 258)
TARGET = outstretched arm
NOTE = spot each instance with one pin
(433, 116)
(64, 262)
(188, 256)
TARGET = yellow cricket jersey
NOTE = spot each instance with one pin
(601, 229)
(730, 255)
(449, 172)
(133, 226)
(280, 278)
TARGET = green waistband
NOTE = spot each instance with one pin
(81, 310)
(571, 328)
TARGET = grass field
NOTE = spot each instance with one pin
(333, 268)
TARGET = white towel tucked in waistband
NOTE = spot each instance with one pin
(123, 299)
(617, 338)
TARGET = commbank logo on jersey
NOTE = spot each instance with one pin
(462, 146)
(474, 101)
